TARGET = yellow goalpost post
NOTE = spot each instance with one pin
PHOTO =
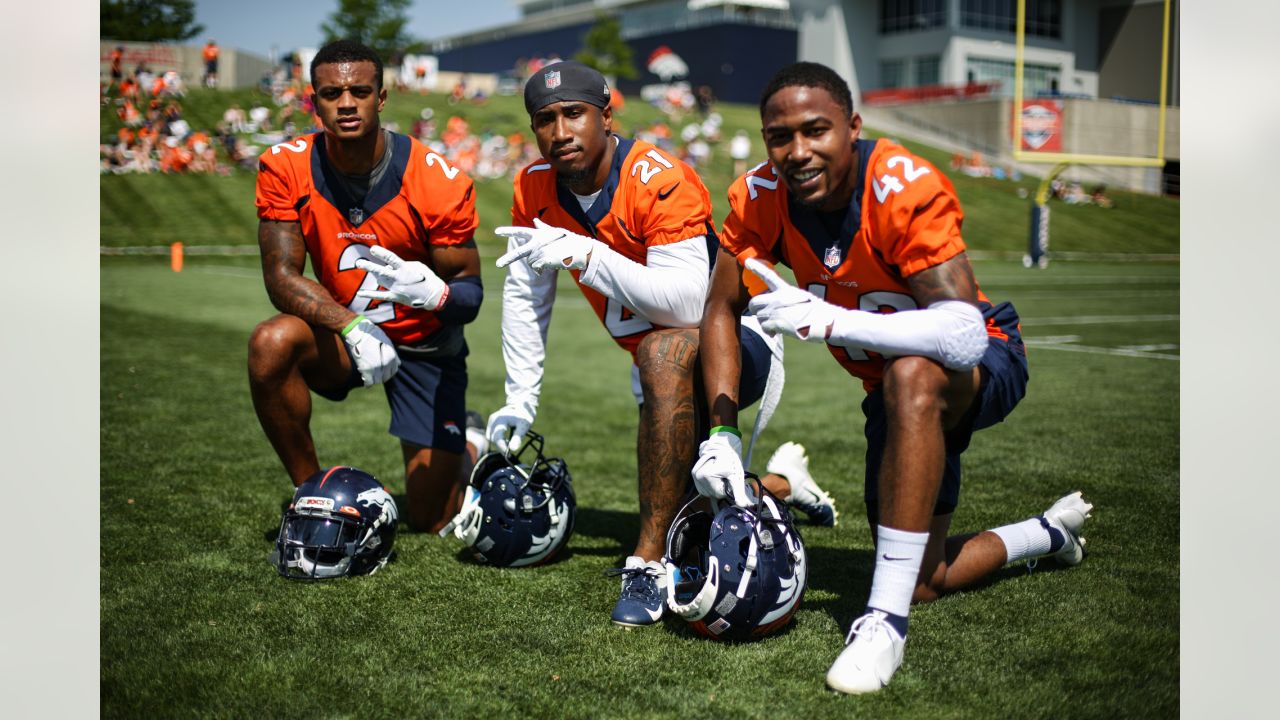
(1038, 240)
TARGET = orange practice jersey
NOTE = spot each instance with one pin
(420, 201)
(649, 199)
(903, 218)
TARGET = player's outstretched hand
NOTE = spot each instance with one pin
(508, 425)
(718, 473)
(790, 310)
(375, 356)
(547, 247)
(408, 283)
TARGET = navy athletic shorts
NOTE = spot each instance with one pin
(427, 396)
(756, 357)
(1004, 382)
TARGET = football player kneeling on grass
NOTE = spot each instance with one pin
(872, 233)
(634, 227)
(389, 227)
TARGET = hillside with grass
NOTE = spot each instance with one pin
(140, 210)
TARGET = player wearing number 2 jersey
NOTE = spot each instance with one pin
(872, 233)
(388, 226)
(633, 225)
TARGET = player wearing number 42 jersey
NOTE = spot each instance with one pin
(872, 233)
(388, 226)
(633, 226)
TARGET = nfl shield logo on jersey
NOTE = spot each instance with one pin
(552, 79)
(832, 258)
(355, 215)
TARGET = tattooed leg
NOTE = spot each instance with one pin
(667, 444)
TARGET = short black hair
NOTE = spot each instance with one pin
(808, 74)
(347, 51)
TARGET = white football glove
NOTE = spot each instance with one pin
(547, 247)
(790, 310)
(408, 283)
(513, 419)
(718, 473)
(376, 358)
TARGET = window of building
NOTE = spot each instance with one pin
(1044, 17)
(925, 71)
(892, 73)
(1036, 79)
(897, 16)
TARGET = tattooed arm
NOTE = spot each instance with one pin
(284, 255)
(950, 280)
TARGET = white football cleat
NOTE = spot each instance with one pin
(871, 656)
(791, 462)
(1068, 516)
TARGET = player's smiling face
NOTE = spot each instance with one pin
(574, 136)
(809, 138)
(348, 98)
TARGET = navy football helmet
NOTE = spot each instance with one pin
(340, 522)
(735, 573)
(516, 514)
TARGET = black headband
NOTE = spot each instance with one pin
(565, 80)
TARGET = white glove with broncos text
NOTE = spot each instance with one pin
(376, 358)
(546, 246)
(718, 473)
(408, 283)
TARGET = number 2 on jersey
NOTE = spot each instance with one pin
(358, 305)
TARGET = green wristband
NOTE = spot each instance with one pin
(728, 429)
(354, 323)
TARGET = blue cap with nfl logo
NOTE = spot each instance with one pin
(565, 80)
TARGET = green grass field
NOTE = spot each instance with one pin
(195, 622)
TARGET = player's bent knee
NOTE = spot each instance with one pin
(914, 385)
(274, 343)
(665, 355)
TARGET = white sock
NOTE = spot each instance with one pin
(1024, 540)
(899, 555)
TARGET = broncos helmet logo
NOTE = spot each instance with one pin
(380, 498)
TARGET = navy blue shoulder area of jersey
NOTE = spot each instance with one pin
(604, 200)
(833, 249)
(332, 189)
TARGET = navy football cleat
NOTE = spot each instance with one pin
(644, 595)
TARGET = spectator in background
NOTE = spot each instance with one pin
(173, 84)
(235, 118)
(1100, 198)
(117, 65)
(259, 119)
(705, 99)
(143, 77)
(210, 54)
(740, 150)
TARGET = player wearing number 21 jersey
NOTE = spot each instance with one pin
(633, 226)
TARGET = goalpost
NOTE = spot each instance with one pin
(1038, 239)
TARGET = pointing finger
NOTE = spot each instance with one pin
(771, 279)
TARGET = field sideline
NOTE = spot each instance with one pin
(195, 622)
